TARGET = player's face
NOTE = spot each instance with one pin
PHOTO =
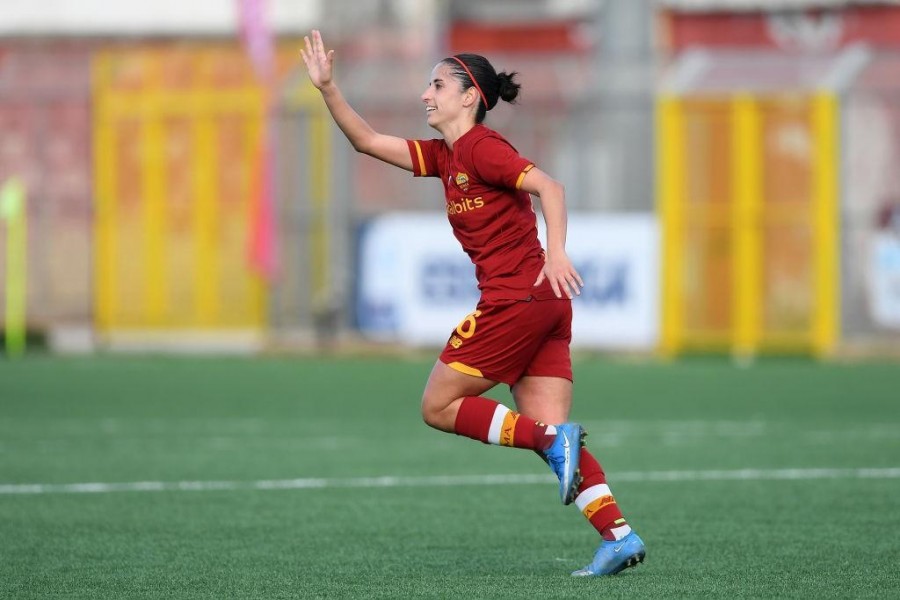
(443, 97)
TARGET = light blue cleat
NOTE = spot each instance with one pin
(563, 457)
(613, 557)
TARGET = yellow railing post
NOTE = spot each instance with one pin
(105, 229)
(206, 263)
(14, 210)
(153, 199)
(320, 197)
(825, 218)
(746, 164)
(670, 167)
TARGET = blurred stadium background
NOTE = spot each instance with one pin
(170, 182)
(731, 168)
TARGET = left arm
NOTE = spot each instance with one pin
(564, 279)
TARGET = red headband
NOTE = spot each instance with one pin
(475, 83)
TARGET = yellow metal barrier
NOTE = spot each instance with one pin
(748, 200)
(175, 133)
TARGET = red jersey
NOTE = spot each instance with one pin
(491, 217)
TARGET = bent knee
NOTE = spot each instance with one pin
(438, 412)
(431, 418)
(431, 411)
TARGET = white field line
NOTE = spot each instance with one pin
(440, 481)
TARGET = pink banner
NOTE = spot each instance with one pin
(259, 44)
(262, 247)
(257, 37)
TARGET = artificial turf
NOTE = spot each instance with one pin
(702, 450)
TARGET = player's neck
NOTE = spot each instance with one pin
(455, 130)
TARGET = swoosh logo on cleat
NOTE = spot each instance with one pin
(616, 550)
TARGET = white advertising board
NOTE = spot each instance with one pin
(884, 280)
(416, 284)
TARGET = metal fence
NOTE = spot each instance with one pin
(590, 124)
(870, 215)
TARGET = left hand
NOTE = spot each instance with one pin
(563, 277)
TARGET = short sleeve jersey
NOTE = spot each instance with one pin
(492, 218)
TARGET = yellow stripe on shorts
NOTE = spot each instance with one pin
(458, 366)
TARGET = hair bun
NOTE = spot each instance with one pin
(509, 89)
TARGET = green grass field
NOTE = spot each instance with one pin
(777, 480)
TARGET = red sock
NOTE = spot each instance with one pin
(492, 423)
(596, 502)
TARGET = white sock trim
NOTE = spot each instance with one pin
(592, 493)
(497, 424)
(620, 532)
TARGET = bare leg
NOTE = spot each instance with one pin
(545, 399)
(444, 394)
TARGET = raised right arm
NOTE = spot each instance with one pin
(390, 149)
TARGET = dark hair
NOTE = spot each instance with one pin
(496, 86)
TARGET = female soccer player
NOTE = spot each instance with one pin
(519, 333)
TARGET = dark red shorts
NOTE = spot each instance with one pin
(505, 342)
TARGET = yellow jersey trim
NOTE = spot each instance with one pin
(421, 158)
(458, 366)
(522, 176)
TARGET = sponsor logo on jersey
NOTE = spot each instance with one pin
(457, 207)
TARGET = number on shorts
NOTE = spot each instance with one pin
(466, 328)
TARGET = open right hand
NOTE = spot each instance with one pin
(318, 62)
